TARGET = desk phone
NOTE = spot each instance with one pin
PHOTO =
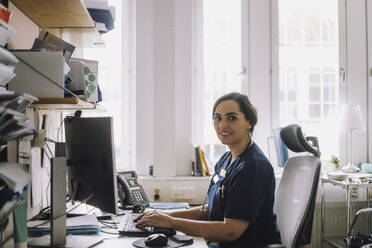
(130, 191)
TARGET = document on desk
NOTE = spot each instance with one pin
(84, 224)
(72, 241)
(169, 205)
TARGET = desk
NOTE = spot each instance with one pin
(116, 240)
(111, 238)
(113, 241)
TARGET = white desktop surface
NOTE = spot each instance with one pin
(116, 241)
(113, 242)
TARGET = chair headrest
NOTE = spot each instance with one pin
(295, 140)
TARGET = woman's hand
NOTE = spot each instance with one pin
(154, 218)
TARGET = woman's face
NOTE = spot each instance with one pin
(230, 124)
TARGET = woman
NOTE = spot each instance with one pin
(241, 192)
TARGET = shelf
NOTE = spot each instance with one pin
(68, 20)
(56, 13)
(349, 183)
(177, 178)
(64, 106)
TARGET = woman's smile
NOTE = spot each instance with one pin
(225, 133)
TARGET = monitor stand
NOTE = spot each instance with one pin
(57, 237)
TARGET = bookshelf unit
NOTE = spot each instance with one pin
(68, 20)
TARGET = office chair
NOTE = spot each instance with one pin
(296, 193)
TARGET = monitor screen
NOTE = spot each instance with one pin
(91, 161)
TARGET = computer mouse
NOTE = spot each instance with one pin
(156, 240)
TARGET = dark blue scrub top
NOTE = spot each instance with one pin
(248, 195)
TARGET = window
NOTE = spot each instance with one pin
(221, 23)
(308, 68)
(110, 80)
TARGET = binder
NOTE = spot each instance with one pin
(198, 171)
(207, 172)
(202, 165)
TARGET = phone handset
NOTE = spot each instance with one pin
(130, 191)
(121, 193)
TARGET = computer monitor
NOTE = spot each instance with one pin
(91, 162)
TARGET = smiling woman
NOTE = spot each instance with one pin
(241, 194)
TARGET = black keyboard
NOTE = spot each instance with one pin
(128, 227)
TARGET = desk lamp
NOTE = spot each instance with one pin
(351, 120)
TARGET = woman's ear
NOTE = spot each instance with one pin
(249, 126)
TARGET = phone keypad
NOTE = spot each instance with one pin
(137, 196)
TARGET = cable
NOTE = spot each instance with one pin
(90, 210)
(41, 212)
(76, 114)
(109, 233)
(51, 153)
(114, 226)
(60, 125)
(69, 211)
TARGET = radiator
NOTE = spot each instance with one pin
(335, 221)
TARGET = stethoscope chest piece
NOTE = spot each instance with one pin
(221, 190)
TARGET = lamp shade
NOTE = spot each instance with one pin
(351, 117)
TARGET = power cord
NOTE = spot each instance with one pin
(62, 214)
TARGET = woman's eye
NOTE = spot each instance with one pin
(217, 118)
(231, 118)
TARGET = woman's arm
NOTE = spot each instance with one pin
(195, 213)
(219, 231)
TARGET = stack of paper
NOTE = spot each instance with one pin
(13, 123)
(84, 224)
(6, 33)
(7, 61)
(13, 185)
(14, 176)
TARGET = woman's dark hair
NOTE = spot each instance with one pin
(249, 111)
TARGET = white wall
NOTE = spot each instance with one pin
(259, 89)
(163, 105)
(356, 76)
(144, 85)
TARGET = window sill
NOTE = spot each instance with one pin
(176, 178)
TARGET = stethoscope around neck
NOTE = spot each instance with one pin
(226, 181)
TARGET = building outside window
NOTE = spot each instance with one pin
(308, 63)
